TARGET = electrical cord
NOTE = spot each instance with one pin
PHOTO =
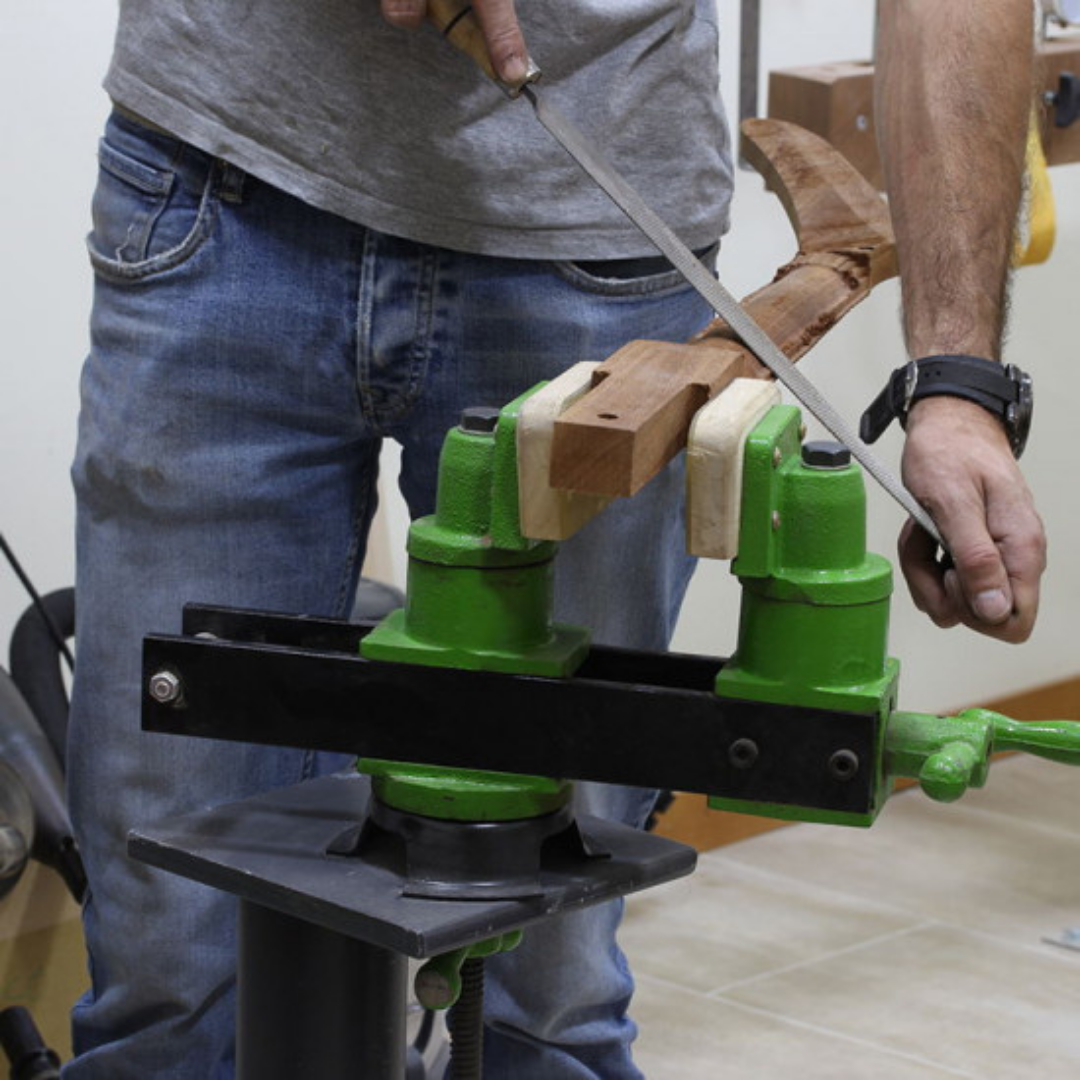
(28, 585)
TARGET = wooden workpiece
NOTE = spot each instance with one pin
(614, 439)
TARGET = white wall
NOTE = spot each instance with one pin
(52, 56)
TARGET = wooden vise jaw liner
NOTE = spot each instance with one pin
(637, 414)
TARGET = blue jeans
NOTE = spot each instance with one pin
(249, 354)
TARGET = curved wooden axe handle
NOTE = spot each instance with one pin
(637, 416)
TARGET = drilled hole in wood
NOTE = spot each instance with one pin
(607, 416)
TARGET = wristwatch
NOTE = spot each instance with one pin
(1001, 389)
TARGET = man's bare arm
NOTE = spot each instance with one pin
(954, 88)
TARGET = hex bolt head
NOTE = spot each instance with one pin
(165, 687)
(479, 420)
(825, 454)
(743, 753)
(843, 765)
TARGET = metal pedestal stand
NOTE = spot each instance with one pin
(324, 938)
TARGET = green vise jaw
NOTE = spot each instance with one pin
(479, 597)
(814, 618)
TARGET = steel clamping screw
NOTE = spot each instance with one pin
(165, 687)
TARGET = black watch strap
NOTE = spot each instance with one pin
(1003, 390)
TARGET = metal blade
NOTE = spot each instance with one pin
(588, 157)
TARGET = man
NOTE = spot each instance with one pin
(312, 231)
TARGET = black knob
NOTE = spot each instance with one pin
(825, 454)
(479, 420)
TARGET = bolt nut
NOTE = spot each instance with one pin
(843, 765)
(743, 753)
(825, 454)
(479, 420)
(166, 688)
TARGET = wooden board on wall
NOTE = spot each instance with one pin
(690, 820)
(836, 101)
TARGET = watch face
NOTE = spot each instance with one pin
(1018, 414)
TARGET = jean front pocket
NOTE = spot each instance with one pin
(649, 276)
(153, 204)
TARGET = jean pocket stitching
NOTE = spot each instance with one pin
(119, 270)
(616, 288)
(150, 179)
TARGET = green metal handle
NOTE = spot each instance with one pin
(1057, 740)
(949, 754)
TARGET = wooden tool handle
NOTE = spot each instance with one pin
(457, 22)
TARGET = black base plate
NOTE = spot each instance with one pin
(272, 850)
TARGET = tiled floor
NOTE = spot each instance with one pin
(910, 950)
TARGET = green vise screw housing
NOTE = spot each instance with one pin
(813, 626)
(479, 597)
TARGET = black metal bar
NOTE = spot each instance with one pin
(749, 64)
(632, 718)
(315, 1003)
(605, 662)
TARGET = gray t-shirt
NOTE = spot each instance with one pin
(398, 131)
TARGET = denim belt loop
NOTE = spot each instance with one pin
(230, 182)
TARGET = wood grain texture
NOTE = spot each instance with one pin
(836, 101)
(637, 416)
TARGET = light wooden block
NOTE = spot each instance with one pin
(714, 465)
(549, 513)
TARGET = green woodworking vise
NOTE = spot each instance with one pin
(475, 677)
(813, 627)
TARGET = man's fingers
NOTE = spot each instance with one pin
(994, 585)
(925, 576)
(980, 579)
(498, 23)
(505, 42)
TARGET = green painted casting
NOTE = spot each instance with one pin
(949, 754)
(438, 982)
(479, 597)
(814, 619)
(465, 794)
(814, 628)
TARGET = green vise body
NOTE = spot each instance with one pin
(479, 597)
(814, 618)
